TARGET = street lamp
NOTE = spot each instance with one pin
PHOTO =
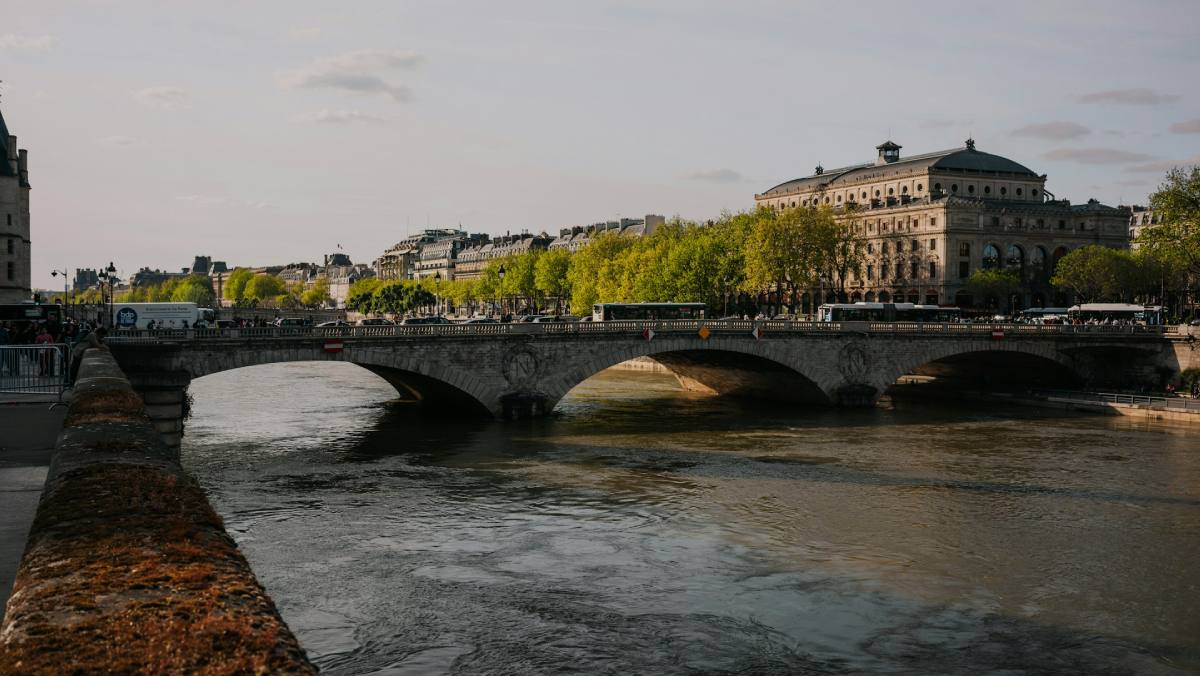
(437, 300)
(65, 299)
(500, 292)
(108, 274)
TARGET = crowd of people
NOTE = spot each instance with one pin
(78, 336)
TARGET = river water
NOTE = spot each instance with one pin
(646, 530)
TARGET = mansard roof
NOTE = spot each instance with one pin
(6, 169)
(967, 160)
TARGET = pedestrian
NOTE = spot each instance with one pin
(1196, 389)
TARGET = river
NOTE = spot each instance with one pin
(646, 530)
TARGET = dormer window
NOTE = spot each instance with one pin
(888, 152)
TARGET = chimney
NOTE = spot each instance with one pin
(23, 165)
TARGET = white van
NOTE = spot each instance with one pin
(164, 315)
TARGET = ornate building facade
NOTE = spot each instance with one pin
(15, 246)
(929, 221)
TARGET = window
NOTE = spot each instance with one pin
(12, 271)
(920, 187)
(914, 246)
(864, 194)
(793, 204)
(987, 189)
(1041, 223)
(991, 257)
(883, 270)
(932, 270)
(11, 246)
(995, 221)
(964, 269)
(870, 248)
(883, 247)
(932, 221)
(913, 266)
(1017, 222)
(971, 189)
(1003, 190)
(932, 244)
(964, 249)
(904, 190)
(937, 186)
(10, 219)
(953, 187)
(900, 246)
(1033, 193)
(1016, 259)
(877, 193)
(891, 192)
(839, 199)
(1062, 225)
(870, 272)
(1018, 192)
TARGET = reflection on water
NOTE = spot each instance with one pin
(648, 530)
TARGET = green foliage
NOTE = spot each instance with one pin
(194, 289)
(402, 297)
(992, 283)
(318, 296)
(361, 296)
(1096, 273)
(235, 285)
(550, 274)
(263, 288)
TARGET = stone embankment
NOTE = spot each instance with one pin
(127, 567)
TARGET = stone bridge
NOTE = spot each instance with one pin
(522, 370)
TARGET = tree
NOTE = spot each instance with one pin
(263, 288)
(550, 275)
(194, 289)
(1097, 272)
(361, 295)
(995, 283)
(842, 249)
(318, 296)
(591, 266)
(235, 284)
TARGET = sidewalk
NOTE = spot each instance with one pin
(28, 430)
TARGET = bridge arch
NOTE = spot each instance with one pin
(986, 360)
(726, 366)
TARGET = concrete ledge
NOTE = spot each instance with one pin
(127, 567)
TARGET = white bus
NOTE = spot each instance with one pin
(164, 315)
(1116, 312)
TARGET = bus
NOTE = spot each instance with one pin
(886, 312)
(608, 312)
(164, 315)
(1116, 312)
(1045, 315)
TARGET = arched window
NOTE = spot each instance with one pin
(1019, 191)
(920, 187)
(991, 257)
(864, 194)
(839, 199)
(1003, 190)
(953, 187)
(937, 186)
(1058, 254)
(971, 189)
(793, 203)
(987, 189)
(1038, 260)
(885, 297)
(1015, 259)
(904, 190)
(1033, 192)
(891, 191)
(877, 193)
(870, 297)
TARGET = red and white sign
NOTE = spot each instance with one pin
(334, 346)
(648, 334)
(757, 333)
(997, 334)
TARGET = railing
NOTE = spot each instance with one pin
(729, 327)
(1184, 403)
(35, 370)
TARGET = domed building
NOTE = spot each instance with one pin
(929, 221)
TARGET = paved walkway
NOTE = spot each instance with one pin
(28, 430)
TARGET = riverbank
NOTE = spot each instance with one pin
(918, 387)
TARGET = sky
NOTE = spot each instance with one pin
(264, 132)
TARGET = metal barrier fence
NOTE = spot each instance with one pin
(35, 369)
(1183, 403)
(663, 327)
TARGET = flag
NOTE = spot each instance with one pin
(648, 334)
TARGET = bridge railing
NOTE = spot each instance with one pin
(727, 327)
(1175, 402)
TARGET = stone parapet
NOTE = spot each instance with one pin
(127, 567)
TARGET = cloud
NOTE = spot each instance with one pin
(164, 98)
(1135, 96)
(1053, 131)
(1162, 166)
(117, 141)
(1097, 156)
(356, 71)
(13, 41)
(338, 117)
(221, 200)
(1186, 127)
(716, 176)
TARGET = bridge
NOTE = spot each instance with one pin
(523, 370)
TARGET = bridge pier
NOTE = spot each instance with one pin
(165, 396)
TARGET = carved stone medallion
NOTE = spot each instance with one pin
(854, 362)
(521, 367)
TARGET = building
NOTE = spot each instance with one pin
(929, 221)
(576, 237)
(1140, 219)
(153, 277)
(340, 272)
(474, 256)
(400, 260)
(15, 245)
(85, 278)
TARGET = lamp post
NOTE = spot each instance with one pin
(437, 300)
(65, 299)
(500, 292)
(108, 274)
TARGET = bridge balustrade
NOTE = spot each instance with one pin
(730, 327)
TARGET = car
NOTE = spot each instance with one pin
(480, 320)
(417, 321)
(336, 322)
(376, 321)
(541, 319)
(290, 322)
(226, 324)
(528, 318)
